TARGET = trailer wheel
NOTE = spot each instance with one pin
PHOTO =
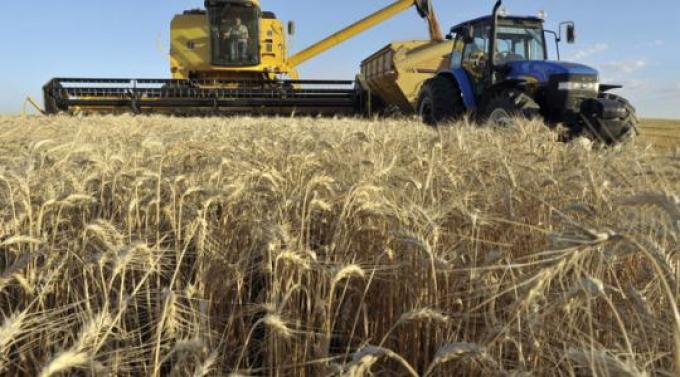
(614, 131)
(501, 109)
(440, 101)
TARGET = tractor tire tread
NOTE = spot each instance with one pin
(445, 100)
(622, 129)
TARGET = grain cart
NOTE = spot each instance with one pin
(496, 68)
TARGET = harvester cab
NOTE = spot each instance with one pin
(229, 40)
(499, 70)
(234, 32)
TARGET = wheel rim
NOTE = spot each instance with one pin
(500, 118)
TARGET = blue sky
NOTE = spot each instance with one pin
(634, 43)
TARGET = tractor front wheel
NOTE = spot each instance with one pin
(440, 101)
(616, 130)
(503, 108)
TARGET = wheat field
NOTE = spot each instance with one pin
(148, 246)
(661, 132)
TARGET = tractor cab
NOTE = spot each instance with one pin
(483, 57)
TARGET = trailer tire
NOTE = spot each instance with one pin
(440, 101)
(503, 107)
(615, 131)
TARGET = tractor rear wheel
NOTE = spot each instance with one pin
(614, 131)
(502, 108)
(440, 101)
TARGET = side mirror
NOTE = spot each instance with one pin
(571, 33)
(291, 27)
(449, 37)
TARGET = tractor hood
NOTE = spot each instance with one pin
(543, 70)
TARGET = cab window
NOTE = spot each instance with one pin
(517, 43)
(235, 35)
(457, 54)
(475, 54)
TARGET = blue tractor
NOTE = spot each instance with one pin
(503, 72)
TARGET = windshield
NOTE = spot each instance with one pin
(519, 43)
(235, 35)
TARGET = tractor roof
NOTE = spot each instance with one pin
(489, 19)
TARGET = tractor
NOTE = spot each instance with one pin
(499, 71)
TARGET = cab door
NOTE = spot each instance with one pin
(469, 62)
(475, 58)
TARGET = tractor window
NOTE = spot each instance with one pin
(519, 49)
(519, 43)
(457, 54)
(235, 35)
(475, 54)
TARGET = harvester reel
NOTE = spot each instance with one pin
(424, 8)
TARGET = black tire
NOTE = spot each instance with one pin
(503, 106)
(614, 131)
(440, 101)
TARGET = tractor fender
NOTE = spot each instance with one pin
(460, 77)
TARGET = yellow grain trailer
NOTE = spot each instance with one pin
(392, 77)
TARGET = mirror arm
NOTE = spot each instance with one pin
(557, 42)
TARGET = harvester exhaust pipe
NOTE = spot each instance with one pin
(426, 10)
(492, 45)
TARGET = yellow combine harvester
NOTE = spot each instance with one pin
(229, 57)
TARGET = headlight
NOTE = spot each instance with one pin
(583, 86)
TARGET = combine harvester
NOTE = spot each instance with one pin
(230, 57)
(496, 68)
